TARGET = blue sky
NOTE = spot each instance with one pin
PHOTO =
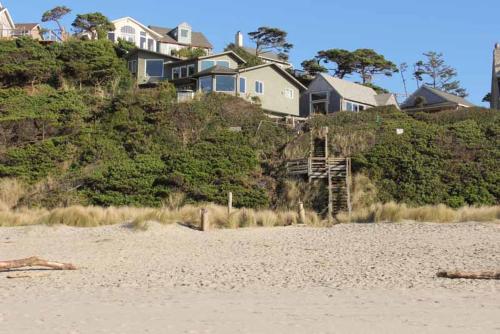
(465, 31)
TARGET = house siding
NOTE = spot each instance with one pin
(232, 62)
(5, 26)
(429, 96)
(273, 99)
(141, 58)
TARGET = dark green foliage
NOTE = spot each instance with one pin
(251, 59)
(450, 157)
(95, 24)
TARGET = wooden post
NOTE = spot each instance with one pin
(205, 223)
(229, 203)
(302, 214)
(330, 196)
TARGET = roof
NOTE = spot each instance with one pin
(268, 55)
(26, 26)
(229, 53)
(136, 50)
(6, 11)
(283, 72)
(198, 39)
(139, 24)
(214, 70)
(353, 91)
(443, 98)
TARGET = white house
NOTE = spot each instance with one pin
(7, 25)
(131, 30)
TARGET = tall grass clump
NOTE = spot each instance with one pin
(11, 191)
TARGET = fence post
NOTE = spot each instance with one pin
(229, 203)
(205, 223)
(302, 214)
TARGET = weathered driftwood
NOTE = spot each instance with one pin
(205, 222)
(35, 262)
(469, 275)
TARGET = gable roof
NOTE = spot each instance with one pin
(26, 26)
(198, 39)
(267, 55)
(7, 14)
(352, 91)
(152, 32)
(228, 53)
(443, 97)
(281, 71)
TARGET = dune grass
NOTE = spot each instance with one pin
(393, 212)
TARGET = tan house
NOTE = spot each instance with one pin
(162, 40)
(32, 30)
(327, 95)
(495, 81)
(429, 99)
(9, 29)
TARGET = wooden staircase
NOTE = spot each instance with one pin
(337, 172)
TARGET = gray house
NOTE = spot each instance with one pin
(430, 99)
(327, 94)
(495, 82)
(148, 67)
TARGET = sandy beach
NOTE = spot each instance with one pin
(377, 278)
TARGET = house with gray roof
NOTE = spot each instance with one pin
(429, 99)
(495, 81)
(166, 41)
(327, 95)
(267, 57)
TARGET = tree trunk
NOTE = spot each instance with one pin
(35, 262)
(469, 275)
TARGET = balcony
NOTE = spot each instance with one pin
(41, 35)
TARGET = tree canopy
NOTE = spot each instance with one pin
(95, 24)
(55, 15)
(436, 73)
(271, 39)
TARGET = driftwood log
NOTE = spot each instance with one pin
(469, 275)
(35, 262)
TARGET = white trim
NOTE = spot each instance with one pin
(255, 87)
(146, 68)
(152, 32)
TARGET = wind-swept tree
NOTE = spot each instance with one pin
(341, 63)
(55, 15)
(271, 39)
(437, 74)
(95, 24)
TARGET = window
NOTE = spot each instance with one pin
(184, 33)
(128, 33)
(206, 84)
(132, 66)
(184, 72)
(151, 44)
(206, 64)
(319, 103)
(111, 36)
(259, 87)
(288, 93)
(354, 107)
(223, 63)
(176, 73)
(190, 70)
(243, 85)
(143, 42)
(154, 68)
(224, 83)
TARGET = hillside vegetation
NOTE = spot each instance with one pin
(74, 130)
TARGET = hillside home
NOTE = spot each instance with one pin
(327, 94)
(162, 40)
(267, 57)
(32, 30)
(181, 37)
(7, 25)
(495, 81)
(148, 67)
(430, 99)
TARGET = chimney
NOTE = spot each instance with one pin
(238, 41)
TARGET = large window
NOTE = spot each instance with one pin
(355, 107)
(243, 85)
(151, 44)
(176, 73)
(184, 33)
(259, 87)
(223, 63)
(154, 68)
(319, 103)
(206, 64)
(128, 33)
(224, 83)
(206, 84)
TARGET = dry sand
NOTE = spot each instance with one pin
(373, 278)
